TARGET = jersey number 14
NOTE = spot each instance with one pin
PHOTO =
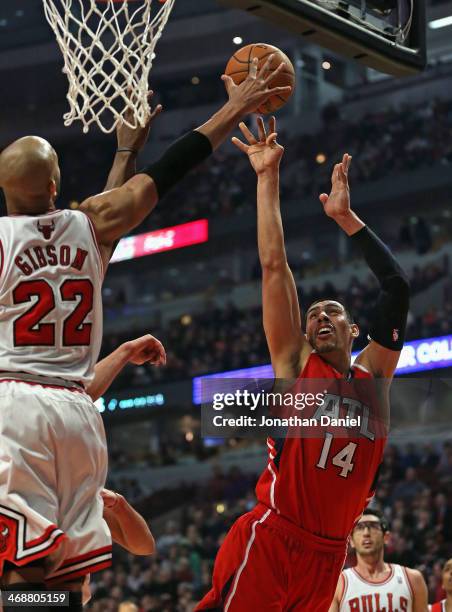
(343, 459)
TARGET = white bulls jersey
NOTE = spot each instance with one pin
(50, 295)
(392, 595)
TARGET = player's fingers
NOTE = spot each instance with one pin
(247, 133)
(343, 172)
(228, 82)
(253, 68)
(335, 175)
(323, 197)
(261, 129)
(271, 139)
(157, 110)
(266, 67)
(349, 161)
(279, 90)
(239, 144)
(274, 73)
(162, 354)
(272, 124)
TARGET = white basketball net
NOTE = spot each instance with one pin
(108, 48)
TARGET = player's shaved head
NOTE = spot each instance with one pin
(29, 176)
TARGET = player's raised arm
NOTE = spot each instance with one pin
(388, 323)
(281, 311)
(130, 141)
(145, 349)
(116, 212)
(128, 528)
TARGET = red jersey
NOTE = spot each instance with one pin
(324, 483)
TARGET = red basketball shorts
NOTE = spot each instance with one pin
(267, 564)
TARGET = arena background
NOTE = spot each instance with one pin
(203, 300)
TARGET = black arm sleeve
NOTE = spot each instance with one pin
(181, 157)
(388, 323)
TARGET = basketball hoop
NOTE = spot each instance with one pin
(108, 49)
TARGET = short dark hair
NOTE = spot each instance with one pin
(380, 516)
(348, 314)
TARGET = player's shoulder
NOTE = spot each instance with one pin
(413, 573)
(415, 577)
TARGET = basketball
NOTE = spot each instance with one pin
(239, 65)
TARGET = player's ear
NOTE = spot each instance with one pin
(387, 538)
(355, 330)
(53, 189)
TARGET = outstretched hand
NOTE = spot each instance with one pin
(146, 349)
(135, 139)
(264, 152)
(337, 204)
(255, 89)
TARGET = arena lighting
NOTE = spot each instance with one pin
(417, 356)
(126, 403)
(166, 239)
(440, 23)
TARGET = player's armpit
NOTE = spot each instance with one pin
(282, 321)
(116, 212)
(379, 360)
(420, 593)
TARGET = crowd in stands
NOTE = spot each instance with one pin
(384, 142)
(414, 492)
(229, 338)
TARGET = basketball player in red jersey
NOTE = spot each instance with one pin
(373, 584)
(287, 554)
(445, 605)
(53, 456)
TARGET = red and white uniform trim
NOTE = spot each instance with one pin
(81, 565)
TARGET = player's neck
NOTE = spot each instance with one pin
(339, 360)
(38, 205)
(372, 567)
(449, 602)
(17, 209)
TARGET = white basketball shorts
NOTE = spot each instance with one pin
(53, 466)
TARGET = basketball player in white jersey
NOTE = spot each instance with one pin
(374, 585)
(445, 605)
(53, 456)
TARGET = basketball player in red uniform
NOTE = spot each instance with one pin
(287, 554)
(373, 584)
(53, 456)
(445, 605)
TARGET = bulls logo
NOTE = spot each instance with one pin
(4, 533)
(46, 230)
